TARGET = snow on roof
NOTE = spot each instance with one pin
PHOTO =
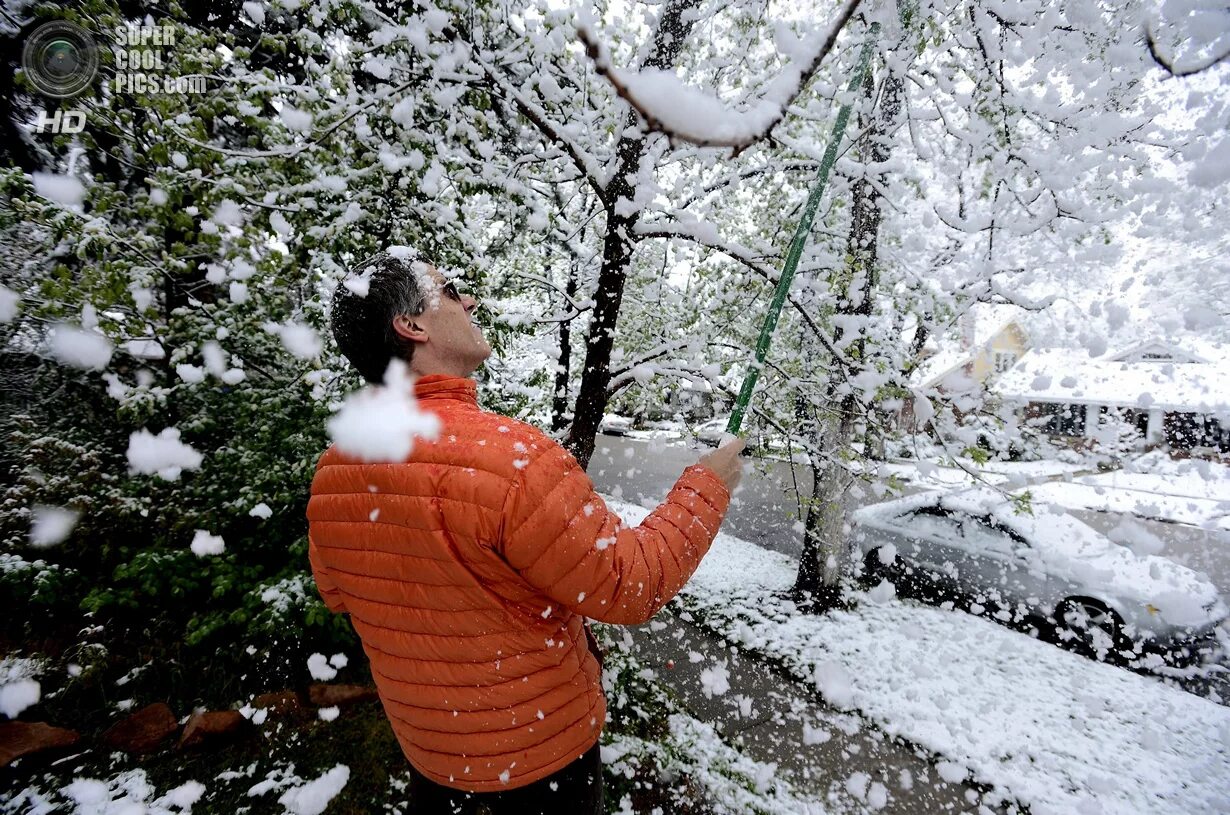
(988, 319)
(979, 324)
(935, 368)
(1186, 350)
(1072, 377)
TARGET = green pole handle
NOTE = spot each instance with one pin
(801, 231)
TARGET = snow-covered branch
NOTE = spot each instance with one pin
(585, 163)
(707, 237)
(1168, 64)
(688, 114)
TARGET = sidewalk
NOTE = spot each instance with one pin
(1038, 726)
(839, 760)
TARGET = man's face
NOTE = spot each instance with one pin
(455, 342)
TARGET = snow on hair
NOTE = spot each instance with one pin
(365, 304)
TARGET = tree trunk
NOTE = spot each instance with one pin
(824, 547)
(618, 243)
(559, 399)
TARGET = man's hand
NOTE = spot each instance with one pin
(725, 462)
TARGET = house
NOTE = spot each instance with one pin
(987, 341)
(1149, 394)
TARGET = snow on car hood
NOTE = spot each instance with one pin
(1071, 549)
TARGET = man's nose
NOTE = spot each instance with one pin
(469, 303)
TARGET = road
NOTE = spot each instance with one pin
(765, 512)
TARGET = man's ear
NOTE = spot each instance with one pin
(409, 328)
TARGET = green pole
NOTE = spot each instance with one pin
(800, 236)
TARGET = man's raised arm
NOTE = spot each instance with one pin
(561, 537)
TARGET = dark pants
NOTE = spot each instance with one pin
(573, 790)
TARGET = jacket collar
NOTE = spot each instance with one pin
(443, 387)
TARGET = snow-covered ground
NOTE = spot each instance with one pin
(1179, 509)
(1041, 726)
(1154, 486)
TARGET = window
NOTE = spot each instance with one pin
(932, 523)
(1058, 419)
(982, 537)
(1003, 360)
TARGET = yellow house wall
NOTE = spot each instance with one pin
(1009, 338)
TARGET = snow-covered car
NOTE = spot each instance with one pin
(615, 425)
(1043, 569)
(713, 431)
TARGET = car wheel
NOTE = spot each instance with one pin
(874, 569)
(1089, 628)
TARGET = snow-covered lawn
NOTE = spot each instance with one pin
(933, 474)
(1153, 486)
(1052, 730)
(1145, 504)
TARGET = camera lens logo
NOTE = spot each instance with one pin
(60, 59)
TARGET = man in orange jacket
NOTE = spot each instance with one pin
(468, 569)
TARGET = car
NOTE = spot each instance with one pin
(615, 425)
(1042, 570)
(713, 431)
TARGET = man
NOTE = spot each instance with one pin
(469, 569)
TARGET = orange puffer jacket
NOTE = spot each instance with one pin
(467, 572)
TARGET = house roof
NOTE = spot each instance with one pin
(934, 369)
(980, 324)
(988, 319)
(1072, 377)
(1187, 351)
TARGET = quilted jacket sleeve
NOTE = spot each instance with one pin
(561, 537)
(329, 591)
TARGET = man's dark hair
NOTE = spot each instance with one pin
(363, 323)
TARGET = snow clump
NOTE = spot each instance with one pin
(379, 423)
(204, 544)
(715, 681)
(8, 304)
(62, 189)
(313, 797)
(51, 525)
(300, 340)
(834, 682)
(17, 696)
(163, 454)
(255, 11)
(79, 348)
(320, 669)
